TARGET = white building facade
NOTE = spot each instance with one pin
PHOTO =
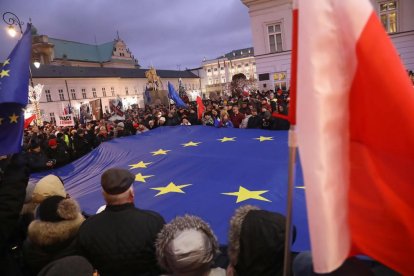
(271, 24)
(216, 74)
(73, 86)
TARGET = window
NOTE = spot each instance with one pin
(209, 70)
(103, 92)
(388, 15)
(222, 68)
(83, 93)
(280, 80)
(263, 77)
(126, 91)
(215, 69)
(94, 92)
(246, 65)
(73, 93)
(239, 66)
(275, 38)
(61, 95)
(210, 81)
(52, 117)
(48, 96)
(113, 92)
(223, 80)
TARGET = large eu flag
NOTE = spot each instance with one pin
(172, 94)
(205, 171)
(14, 87)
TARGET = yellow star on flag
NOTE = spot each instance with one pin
(264, 138)
(7, 61)
(141, 178)
(300, 187)
(191, 144)
(13, 118)
(171, 188)
(244, 194)
(227, 139)
(4, 73)
(160, 152)
(141, 164)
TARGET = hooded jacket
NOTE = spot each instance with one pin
(256, 242)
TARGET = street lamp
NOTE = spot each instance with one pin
(12, 20)
(34, 91)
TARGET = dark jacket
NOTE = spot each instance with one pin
(37, 161)
(14, 176)
(254, 122)
(81, 145)
(59, 154)
(120, 240)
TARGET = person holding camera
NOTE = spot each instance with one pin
(57, 153)
(37, 158)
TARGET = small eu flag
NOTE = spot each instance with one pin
(172, 94)
(14, 87)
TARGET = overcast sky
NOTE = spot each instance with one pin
(163, 33)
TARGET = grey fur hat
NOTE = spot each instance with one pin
(186, 245)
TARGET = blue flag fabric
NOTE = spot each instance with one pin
(14, 83)
(172, 94)
(205, 171)
(14, 75)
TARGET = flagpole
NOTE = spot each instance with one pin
(293, 145)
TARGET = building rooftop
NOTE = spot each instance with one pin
(72, 50)
(52, 71)
(240, 53)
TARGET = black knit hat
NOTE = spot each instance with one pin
(51, 209)
(115, 181)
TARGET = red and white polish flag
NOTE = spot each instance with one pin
(355, 127)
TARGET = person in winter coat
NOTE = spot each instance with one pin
(52, 235)
(256, 242)
(58, 153)
(81, 144)
(121, 239)
(14, 176)
(37, 158)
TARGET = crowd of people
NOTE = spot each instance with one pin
(49, 146)
(43, 231)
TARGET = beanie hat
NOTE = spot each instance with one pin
(49, 185)
(115, 181)
(57, 208)
(186, 244)
(52, 142)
